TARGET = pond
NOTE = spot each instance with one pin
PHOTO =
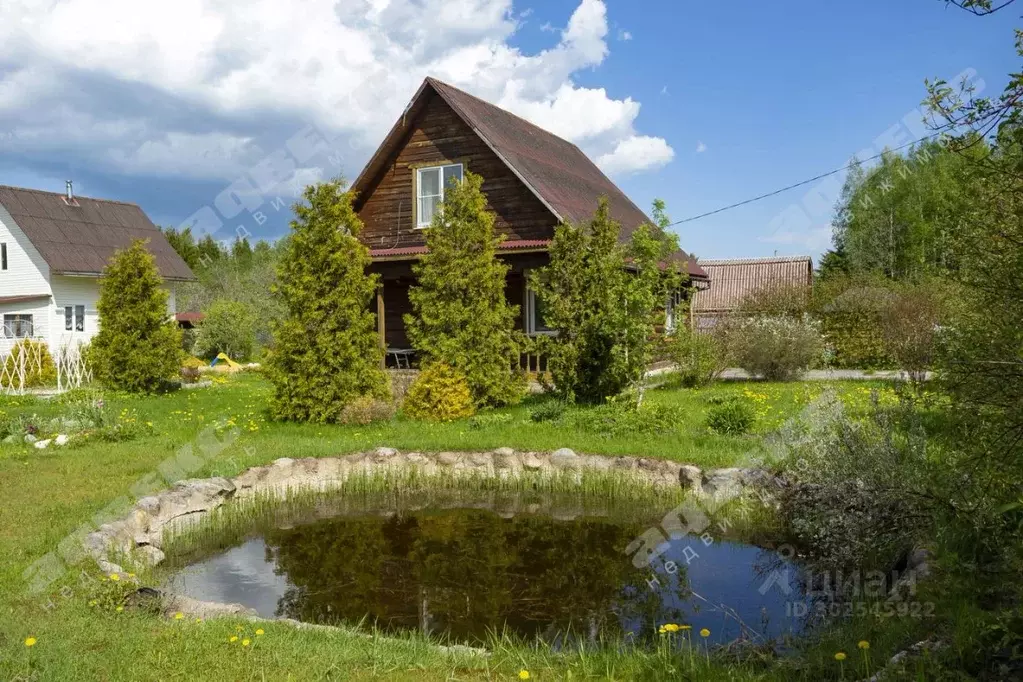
(462, 572)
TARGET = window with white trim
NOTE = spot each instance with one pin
(536, 322)
(17, 326)
(430, 185)
(674, 308)
(3, 256)
(74, 315)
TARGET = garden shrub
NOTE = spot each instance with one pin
(461, 315)
(326, 351)
(733, 417)
(366, 410)
(228, 327)
(549, 411)
(623, 416)
(39, 367)
(694, 355)
(775, 348)
(440, 393)
(138, 347)
(483, 421)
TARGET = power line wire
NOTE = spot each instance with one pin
(803, 182)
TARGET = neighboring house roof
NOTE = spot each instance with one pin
(555, 170)
(21, 299)
(189, 317)
(79, 238)
(510, 245)
(731, 281)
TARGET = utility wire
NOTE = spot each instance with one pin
(804, 182)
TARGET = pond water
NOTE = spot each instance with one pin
(460, 573)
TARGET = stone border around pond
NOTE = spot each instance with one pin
(139, 536)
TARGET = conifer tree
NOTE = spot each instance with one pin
(138, 347)
(327, 352)
(461, 316)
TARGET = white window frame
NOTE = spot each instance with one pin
(18, 322)
(420, 224)
(3, 256)
(675, 299)
(530, 318)
(74, 318)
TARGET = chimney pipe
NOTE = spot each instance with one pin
(70, 192)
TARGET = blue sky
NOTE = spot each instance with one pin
(702, 104)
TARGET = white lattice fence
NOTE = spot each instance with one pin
(72, 366)
(18, 361)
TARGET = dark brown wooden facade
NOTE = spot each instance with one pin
(439, 136)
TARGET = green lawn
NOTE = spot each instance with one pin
(49, 493)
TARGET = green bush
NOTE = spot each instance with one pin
(137, 348)
(483, 421)
(39, 367)
(440, 393)
(550, 411)
(623, 416)
(733, 417)
(366, 410)
(229, 327)
(326, 352)
(775, 348)
(695, 356)
(460, 313)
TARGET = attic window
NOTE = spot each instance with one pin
(430, 185)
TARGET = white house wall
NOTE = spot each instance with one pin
(27, 274)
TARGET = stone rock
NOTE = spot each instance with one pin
(723, 482)
(532, 462)
(384, 454)
(193, 608)
(42, 444)
(62, 439)
(448, 459)
(504, 452)
(283, 462)
(481, 459)
(565, 459)
(505, 458)
(691, 478)
(149, 555)
(29, 438)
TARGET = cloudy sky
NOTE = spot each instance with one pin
(168, 104)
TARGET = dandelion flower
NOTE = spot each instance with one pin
(119, 609)
(246, 642)
(671, 627)
(93, 602)
(115, 577)
(523, 674)
(685, 627)
(661, 630)
(30, 641)
(234, 638)
(840, 656)
(178, 615)
(260, 631)
(198, 620)
(864, 644)
(704, 632)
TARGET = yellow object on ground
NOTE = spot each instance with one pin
(230, 363)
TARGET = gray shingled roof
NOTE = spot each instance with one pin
(80, 239)
(734, 280)
(557, 171)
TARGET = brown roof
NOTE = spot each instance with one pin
(510, 245)
(556, 171)
(731, 281)
(80, 238)
(20, 299)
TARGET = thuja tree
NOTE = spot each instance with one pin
(461, 316)
(605, 298)
(138, 347)
(326, 351)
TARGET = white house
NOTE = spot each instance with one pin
(53, 248)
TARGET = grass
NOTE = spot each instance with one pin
(51, 493)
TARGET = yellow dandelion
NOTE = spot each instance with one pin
(131, 575)
(840, 656)
(198, 620)
(178, 615)
(671, 627)
(864, 644)
(246, 642)
(661, 630)
(523, 674)
(30, 641)
(115, 577)
(234, 638)
(685, 627)
(260, 631)
(119, 609)
(704, 632)
(93, 602)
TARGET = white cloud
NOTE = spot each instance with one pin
(200, 88)
(624, 35)
(664, 90)
(638, 152)
(700, 147)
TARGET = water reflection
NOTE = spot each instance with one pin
(460, 573)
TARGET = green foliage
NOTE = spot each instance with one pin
(623, 416)
(484, 421)
(547, 411)
(604, 298)
(327, 352)
(137, 347)
(461, 316)
(228, 327)
(39, 367)
(694, 355)
(367, 409)
(198, 254)
(731, 417)
(440, 394)
(775, 348)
